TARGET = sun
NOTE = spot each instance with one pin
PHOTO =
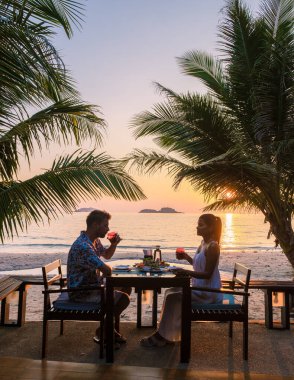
(229, 194)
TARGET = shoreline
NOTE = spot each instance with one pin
(265, 264)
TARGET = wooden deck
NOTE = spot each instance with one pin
(271, 352)
(19, 369)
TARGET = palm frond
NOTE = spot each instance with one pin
(71, 179)
(152, 162)
(278, 16)
(242, 175)
(31, 69)
(67, 120)
(237, 38)
(228, 171)
(206, 68)
(232, 205)
(241, 43)
(274, 86)
(195, 126)
(61, 13)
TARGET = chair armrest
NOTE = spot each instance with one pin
(63, 282)
(88, 288)
(226, 283)
(222, 290)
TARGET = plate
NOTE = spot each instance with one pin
(145, 269)
(151, 270)
(156, 270)
(122, 267)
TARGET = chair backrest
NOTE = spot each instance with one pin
(56, 279)
(241, 278)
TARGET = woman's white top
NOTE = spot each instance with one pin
(170, 320)
(199, 265)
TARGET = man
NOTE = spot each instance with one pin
(84, 265)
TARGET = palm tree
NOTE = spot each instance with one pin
(39, 105)
(238, 138)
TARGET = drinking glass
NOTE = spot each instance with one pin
(111, 235)
(180, 253)
(147, 253)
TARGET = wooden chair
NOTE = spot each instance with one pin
(64, 309)
(231, 312)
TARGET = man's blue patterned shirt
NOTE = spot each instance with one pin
(83, 261)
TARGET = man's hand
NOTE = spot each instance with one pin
(109, 252)
(106, 270)
(115, 239)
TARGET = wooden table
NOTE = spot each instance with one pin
(148, 282)
(9, 285)
(270, 287)
(19, 284)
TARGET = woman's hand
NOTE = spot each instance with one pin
(180, 272)
(181, 255)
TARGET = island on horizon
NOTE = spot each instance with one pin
(163, 210)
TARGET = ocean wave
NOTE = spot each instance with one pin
(32, 248)
(35, 245)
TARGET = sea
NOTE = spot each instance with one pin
(244, 240)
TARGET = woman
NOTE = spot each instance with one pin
(205, 273)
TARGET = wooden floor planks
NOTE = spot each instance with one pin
(28, 369)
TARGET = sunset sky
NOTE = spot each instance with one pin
(124, 46)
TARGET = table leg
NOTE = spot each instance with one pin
(285, 312)
(4, 312)
(268, 308)
(186, 325)
(21, 313)
(154, 310)
(109, 321)
(139, 308)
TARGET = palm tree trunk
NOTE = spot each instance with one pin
(284, 233)
(288, 249)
